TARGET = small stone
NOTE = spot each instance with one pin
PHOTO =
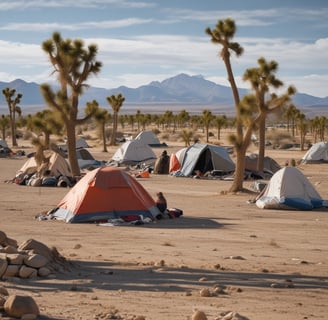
(18, 306)
(199, 315)
(205, 292)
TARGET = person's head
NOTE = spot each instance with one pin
(164, 153)
(159, 194)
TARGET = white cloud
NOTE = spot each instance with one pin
(23, 4)
(110, 24)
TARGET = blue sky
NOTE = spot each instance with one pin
(151, 40)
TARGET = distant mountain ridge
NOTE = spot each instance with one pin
(182, 89)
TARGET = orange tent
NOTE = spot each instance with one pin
(106, 193)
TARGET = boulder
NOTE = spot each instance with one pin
(27, 272)
(17, 306)
(3, 238)
(3, 266)
(44, 272)
(15, 258)
(37, 247)
(36, 261)
(12, 271)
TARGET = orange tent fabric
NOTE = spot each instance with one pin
(106, 193)
(174, 163)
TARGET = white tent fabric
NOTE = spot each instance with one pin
(289, 189)
(58, 166)
(206, 157)
(133, 152)
(148, 137)
(317, 153)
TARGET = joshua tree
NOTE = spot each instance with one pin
(223, 35)
(12, 102)
(116, 103)
(262, 79)
(74, 64)
(47, 122)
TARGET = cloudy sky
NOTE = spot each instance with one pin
(140, 41)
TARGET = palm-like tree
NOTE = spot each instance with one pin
(116, 103)
(102, 116)
(74, 64)
(207, 118)
(13, 100)
(4, 125)
(220, 122)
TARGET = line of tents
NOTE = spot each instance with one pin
(108, 192)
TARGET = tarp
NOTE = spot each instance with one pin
(269, 164)
(133, 152)
(3, 143)
(206, 157)
(106, 193)
(86, 160)
(289, 189)
(318, 153)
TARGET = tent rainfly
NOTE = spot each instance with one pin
(106, 193)
(290, 189)
(206, 157)
(133, 152)
(150, 138)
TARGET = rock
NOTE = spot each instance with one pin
(199, 315)
(27, 272)
(12, 270)
(234, 316)
(3, 266)
(3, 238)
(9, 249)
(205, 292)
(15, 258)
(29, 316)
(4, 291)
(44, 272)
(18, 306)
(36, 261)
(2, 301)
(12, 242)
(37, 247)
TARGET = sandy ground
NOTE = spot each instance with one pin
(156, 271)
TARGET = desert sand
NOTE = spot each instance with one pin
(270, 264)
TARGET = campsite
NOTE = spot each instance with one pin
(223, 255)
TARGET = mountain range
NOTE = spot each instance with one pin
(193, 93)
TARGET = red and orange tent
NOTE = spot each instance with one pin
(103, 194)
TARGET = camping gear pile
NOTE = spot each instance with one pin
(55, 171)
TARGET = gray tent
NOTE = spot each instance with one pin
(206, 157)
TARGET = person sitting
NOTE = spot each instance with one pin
(161, 204)
(162, 164)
